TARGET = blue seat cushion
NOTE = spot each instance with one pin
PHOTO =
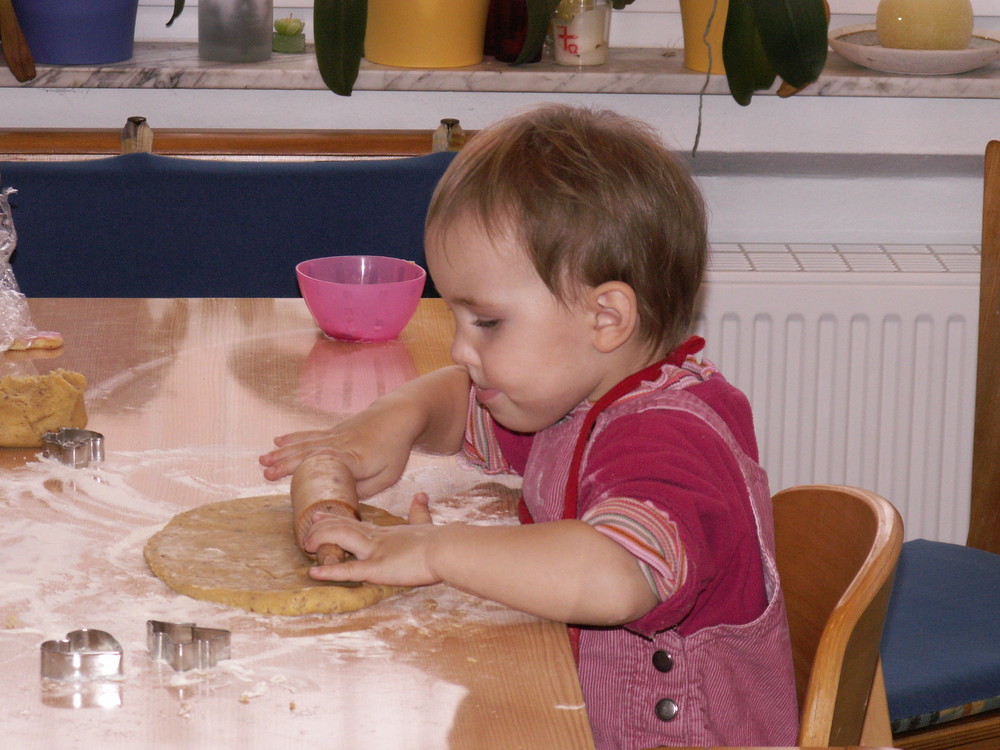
(941, 643)
(142, 225)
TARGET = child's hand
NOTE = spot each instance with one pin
(375, 444)
(392, 555)
(371, 444)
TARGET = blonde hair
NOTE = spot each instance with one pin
(591, 196)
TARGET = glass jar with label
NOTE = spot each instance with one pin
(580, 30)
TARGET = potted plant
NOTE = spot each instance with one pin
(764, 39)
(340, 28)
(70, 32)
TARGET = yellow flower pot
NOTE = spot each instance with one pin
(426, 33)
(695, 15)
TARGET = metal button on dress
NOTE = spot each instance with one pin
(663, 661)
(666, 709)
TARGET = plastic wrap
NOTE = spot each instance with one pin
(15, 318)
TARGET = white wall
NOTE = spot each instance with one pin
(645, 23)
(801, 198)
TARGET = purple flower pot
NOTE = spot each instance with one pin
(78, 32)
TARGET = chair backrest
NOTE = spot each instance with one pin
(836, 550)
(984, 527)
(231, 218)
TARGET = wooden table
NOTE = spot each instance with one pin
(187, 394)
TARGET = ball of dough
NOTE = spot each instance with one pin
(32, 405)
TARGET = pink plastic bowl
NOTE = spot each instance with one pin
(361, 297)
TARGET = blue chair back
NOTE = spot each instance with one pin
(143, 225)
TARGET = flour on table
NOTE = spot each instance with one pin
(71, 548)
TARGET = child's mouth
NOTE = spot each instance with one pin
(485, 395)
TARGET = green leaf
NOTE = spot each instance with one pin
(794, 35)
(540, 14)
(747, 66)
(339, 33)
(178, 7)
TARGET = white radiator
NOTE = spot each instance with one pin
(859, 362)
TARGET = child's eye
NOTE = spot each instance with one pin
(484, 323)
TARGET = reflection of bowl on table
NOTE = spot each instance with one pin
(340, 377)
(361, 297)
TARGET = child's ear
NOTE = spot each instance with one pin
(615, 314)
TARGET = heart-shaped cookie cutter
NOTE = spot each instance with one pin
(81, 656)
(74, 447)
(186, 646)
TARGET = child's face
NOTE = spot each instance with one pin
(530, 357)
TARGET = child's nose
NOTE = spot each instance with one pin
(462, 353)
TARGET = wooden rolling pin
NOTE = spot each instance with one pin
(322, 484)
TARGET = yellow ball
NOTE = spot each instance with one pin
(924, 24)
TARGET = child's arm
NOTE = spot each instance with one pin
(375, 444)
(560, 570)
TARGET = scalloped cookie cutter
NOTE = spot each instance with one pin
(82, 656)
(185, 646)
(75, 447)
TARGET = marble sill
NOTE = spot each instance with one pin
(167, 65)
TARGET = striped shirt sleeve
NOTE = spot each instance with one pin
(480, 444)
(650, 535)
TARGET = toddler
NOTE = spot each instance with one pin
(569, 245)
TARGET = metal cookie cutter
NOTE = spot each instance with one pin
(81, 656)
(74, 447)
(185, 646)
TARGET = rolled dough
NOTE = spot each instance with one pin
(242, 553)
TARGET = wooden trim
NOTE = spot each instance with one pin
(979, 732)
(308, 142)
(221, 142)
(984, 528)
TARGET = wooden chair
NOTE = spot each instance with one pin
(836, 549)
(941, 646)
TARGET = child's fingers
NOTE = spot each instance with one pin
(420, 511)
(329, 554)
(342, 571)
(349, 535)
(283, 461)
(284, 444)
(390, 555)
(297, 437)
(277, 466)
